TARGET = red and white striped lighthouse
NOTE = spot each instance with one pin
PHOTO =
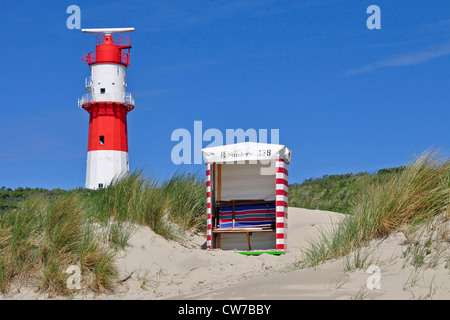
(108, 104)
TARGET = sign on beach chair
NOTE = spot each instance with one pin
(247, 192)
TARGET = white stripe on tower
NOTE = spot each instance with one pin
(103, 166)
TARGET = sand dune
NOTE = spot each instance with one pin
(154, 268)
(162, 269)
(166, 269)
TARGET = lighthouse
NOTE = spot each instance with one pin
(108, 104)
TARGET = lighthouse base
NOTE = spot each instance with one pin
(103, 166)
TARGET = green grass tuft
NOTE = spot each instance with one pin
(411, 196)
(43, 232)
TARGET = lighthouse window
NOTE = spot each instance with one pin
(102, 90)
(102, 140)
(100, 185)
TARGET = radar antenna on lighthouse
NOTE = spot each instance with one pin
(108, 30)
(108, 104)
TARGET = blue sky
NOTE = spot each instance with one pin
(345, 98)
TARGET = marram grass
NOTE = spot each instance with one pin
(410, 197)
(45, 234)
(42, 238)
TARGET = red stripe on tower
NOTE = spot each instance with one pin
(108, 126)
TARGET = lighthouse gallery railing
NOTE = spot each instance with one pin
(115, 97)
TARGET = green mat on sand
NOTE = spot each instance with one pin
(257, 253)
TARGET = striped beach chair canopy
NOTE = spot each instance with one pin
(246, 151)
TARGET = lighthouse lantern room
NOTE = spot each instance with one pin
(108, 104)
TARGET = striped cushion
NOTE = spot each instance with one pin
(259, 215)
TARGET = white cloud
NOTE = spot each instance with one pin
(407, 59)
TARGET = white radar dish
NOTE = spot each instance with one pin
(107, 30)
